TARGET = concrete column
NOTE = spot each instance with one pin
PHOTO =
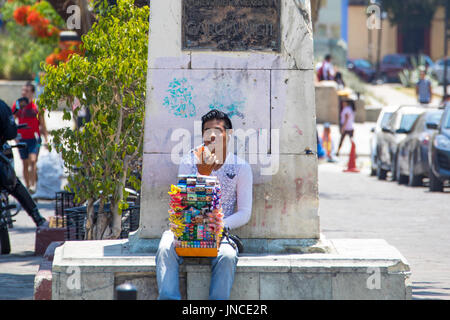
(266, 92)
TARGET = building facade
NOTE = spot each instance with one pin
(343, 28)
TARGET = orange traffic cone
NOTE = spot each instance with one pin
(352, 160)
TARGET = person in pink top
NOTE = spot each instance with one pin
(347, 121)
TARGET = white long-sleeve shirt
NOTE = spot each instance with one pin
(236, 182)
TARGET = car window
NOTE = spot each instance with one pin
(407, 121)
(387, 60)
(392, 121)
(447, 120)
(363, 64)
(434, 117)
(400, 60)
(419, 125)
(385, 120)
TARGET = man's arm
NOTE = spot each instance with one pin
(244, 190)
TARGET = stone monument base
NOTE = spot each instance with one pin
(352, 269)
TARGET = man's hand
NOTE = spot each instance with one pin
(207, 161)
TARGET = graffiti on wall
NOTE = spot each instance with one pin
(227, 98)
(179, 100)
(182, 100)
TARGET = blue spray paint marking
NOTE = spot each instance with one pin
(179, 101)
(231, 110)
(228, 99)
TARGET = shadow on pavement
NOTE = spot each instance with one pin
(27, 259)
(429, 291)
(16, 286)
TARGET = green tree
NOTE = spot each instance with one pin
(415, 13)
(110, 80)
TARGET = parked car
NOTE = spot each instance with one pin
(362, 68)
(393, 64)
(391, 135)
(412, 161)
(438, 70)
(383, 118)
(439, 154)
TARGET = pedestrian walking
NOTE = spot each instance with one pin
(347, 121)
(339, 80)
(423, 89)
(31, 136)
(327, 142)
(326, 70)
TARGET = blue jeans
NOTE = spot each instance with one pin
(167, 274)
(33, 146)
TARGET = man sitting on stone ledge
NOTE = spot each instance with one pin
(236, 181)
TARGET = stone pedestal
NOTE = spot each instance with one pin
(269, 96)
(354, 269)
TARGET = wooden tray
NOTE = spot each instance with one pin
(196, 252)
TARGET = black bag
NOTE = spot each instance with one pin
(235, 240)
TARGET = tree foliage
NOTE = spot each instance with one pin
(411, 13)
(31, 35)
(110, 80)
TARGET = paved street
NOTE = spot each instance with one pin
(413, 220)
(17, 270)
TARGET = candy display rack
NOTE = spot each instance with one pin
(195, 216)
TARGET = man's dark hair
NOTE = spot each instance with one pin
(217, 115)
(328, 57)
(31, 85)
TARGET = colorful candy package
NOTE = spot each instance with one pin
(195, 215)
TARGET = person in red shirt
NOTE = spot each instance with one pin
(31, 135)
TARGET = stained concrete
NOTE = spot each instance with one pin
(356, 269)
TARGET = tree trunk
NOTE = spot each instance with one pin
(89, 235)
(103, 220)
(117, 198)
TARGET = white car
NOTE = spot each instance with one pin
(438, 70)
(391, 135)
(383, 119)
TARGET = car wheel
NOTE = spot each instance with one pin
(414, 180)
(436, 185)
(373, 168)
(381, 173)
(394, 169)
(401, 178)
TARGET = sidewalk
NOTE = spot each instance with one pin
(361, 136)
(18, 269)
(391, 96)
